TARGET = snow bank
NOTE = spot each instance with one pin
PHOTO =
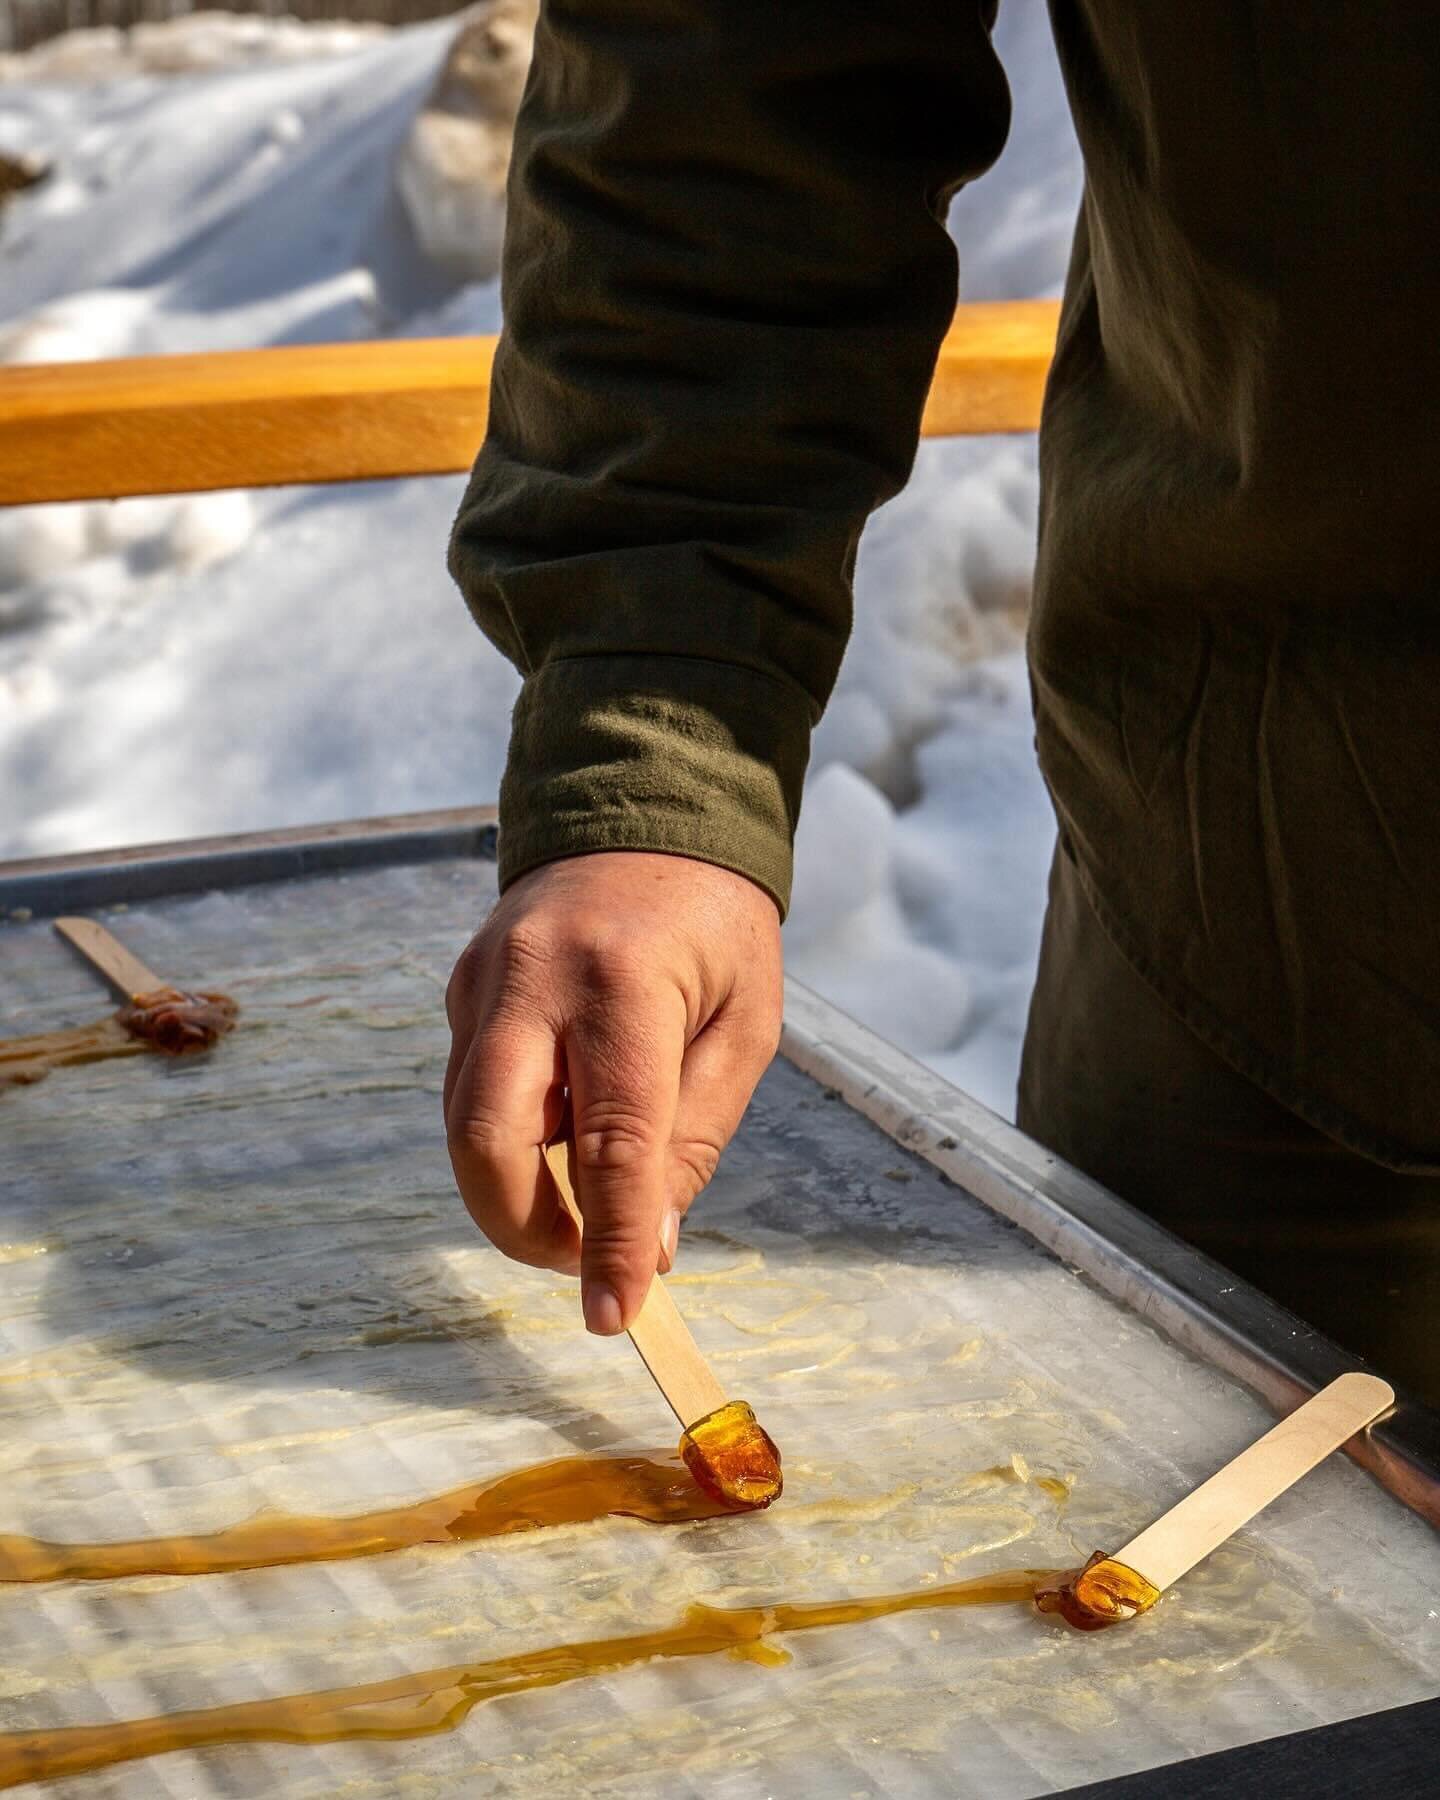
(199, 41)
(453, 168)
(225, 662)
(923, 917)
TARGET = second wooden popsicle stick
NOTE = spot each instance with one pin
(175, 1023)
(1202, 1521)
(119, 966)
(658, 1332)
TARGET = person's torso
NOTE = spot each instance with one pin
(1236, 636)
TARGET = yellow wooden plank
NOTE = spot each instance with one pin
(991, 372)
(348, 412)
(245, 418)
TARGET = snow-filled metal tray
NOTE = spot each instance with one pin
(243, 1283)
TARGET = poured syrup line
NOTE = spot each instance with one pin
(570, 1491)
(437, 1700)
(24, 1060)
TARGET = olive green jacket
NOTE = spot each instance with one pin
(726, 278)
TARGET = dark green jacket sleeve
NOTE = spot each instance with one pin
(726, 277)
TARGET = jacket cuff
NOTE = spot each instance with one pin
(675, 754)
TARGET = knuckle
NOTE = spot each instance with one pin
(698, 1158)
(767, 1021)
(618, 1239)
(523, 958)
(609, 961)
(476, 1131)
(471, 962)
(611, 1137)
(621, 1255)
(461, 986)
(757, 1038)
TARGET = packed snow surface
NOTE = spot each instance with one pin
(223, 662)
(199, 40)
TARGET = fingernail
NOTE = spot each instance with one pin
(670, 1235)
(601, 1308)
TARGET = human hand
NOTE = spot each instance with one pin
(650, 986)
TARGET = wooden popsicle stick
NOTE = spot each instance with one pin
(110, 957)
(658, 1332)
(1202, 1521)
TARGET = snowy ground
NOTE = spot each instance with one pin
(230, 661)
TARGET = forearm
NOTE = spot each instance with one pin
(726, 279)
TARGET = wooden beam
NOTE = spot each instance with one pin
(241, 418)
(991, 372)
(354, 412)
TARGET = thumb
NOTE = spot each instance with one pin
(624, 1076)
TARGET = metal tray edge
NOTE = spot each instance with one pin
(44, 886)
